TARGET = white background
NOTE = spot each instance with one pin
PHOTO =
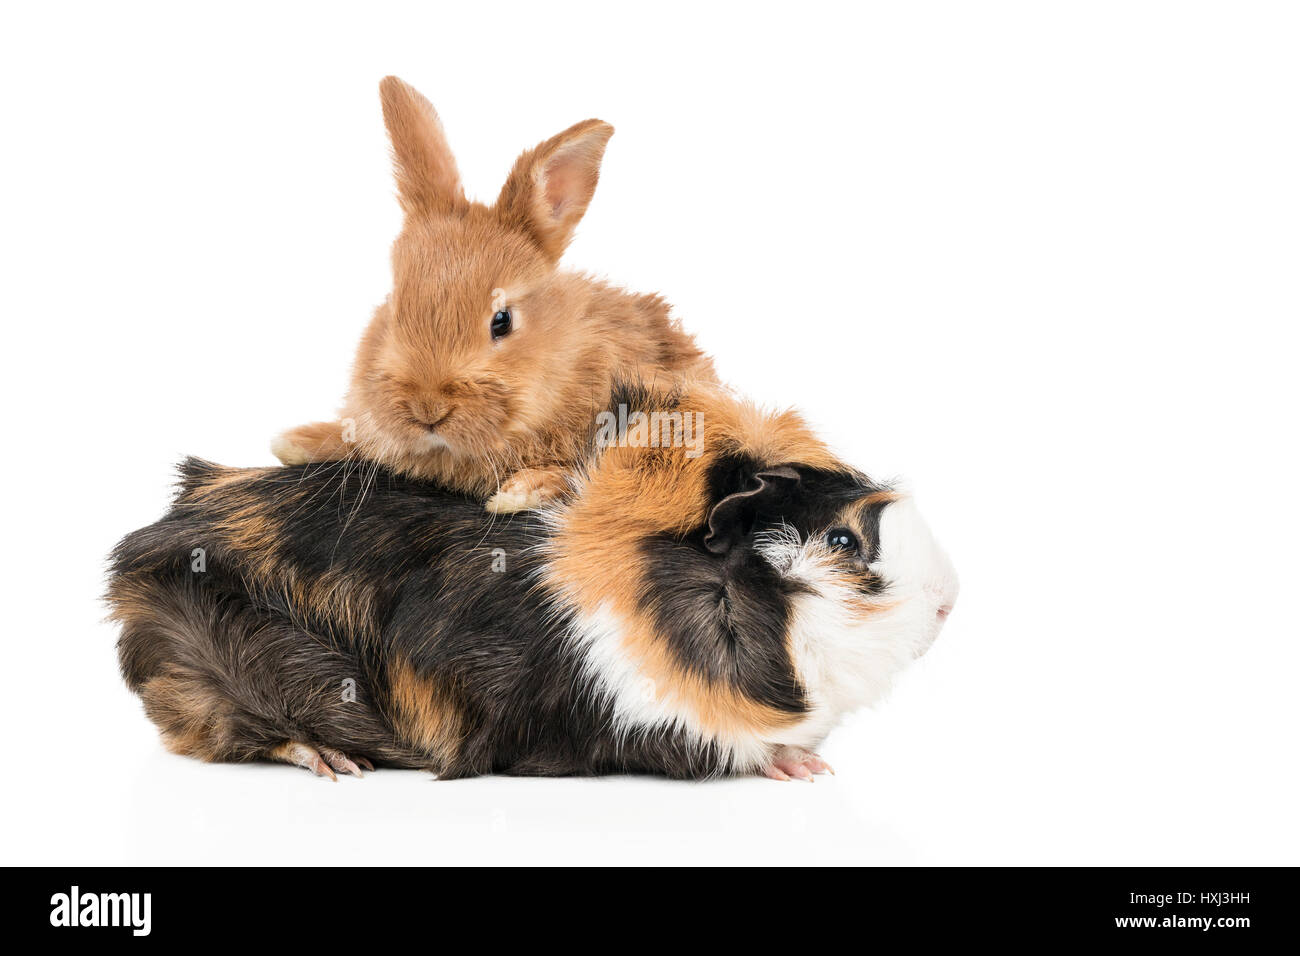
(1041, 259)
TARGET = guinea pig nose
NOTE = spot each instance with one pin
(944, 611)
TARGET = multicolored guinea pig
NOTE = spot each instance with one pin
(485, 366)
(708, 603)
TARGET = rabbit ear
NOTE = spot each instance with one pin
(427, 178)
(549, 188)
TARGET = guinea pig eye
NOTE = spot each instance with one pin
(842, 539)
(501, 324)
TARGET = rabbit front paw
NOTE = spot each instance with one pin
(528, 489)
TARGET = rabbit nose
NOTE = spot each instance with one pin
(433, 423)
(944, 611)
(431, 415)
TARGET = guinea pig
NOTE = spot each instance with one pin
(690, 615)
(484, 366)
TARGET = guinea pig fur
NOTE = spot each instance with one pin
(690, 616)
(483, 367)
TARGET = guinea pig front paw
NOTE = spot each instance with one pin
(795, 763)
(322, 762)
(528, 489)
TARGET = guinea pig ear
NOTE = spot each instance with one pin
(549, 188)
(731, 518)
(427, 178)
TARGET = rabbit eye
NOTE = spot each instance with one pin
(841, 539)
(501, 324)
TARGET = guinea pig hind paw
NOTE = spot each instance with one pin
(794, 763)
(341, 762)
(323, 762)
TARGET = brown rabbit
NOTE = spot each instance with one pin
(486, 366)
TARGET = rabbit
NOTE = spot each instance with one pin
(483, 368)
(685, 615)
